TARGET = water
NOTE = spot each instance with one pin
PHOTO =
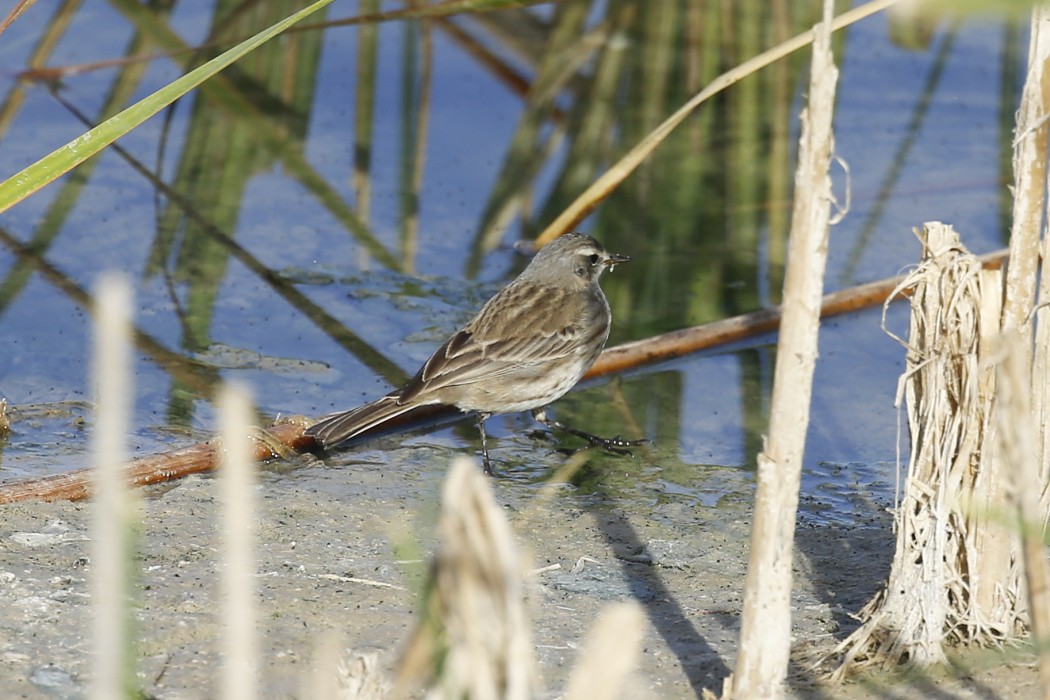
(320, 254)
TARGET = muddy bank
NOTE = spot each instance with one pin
(339, 557)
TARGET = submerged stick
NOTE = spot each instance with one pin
(668, 346)
(155, 469)
(202, 457)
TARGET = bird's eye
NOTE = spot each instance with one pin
(594, 258)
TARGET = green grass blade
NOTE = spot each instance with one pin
(64, 159)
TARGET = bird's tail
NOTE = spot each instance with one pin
(340, 427)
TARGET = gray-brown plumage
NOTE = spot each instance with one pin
(528, 345)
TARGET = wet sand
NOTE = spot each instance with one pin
(339, 557)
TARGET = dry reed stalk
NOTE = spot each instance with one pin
(765, 629)
(1017, 441)
(343, 674)
(930, 598)
(956, 575)
(237, 489)
(1031, 138)
(610, 653)
(473, 638)
(15, 13)
(113, 507)
(992, 562)
(1031, 143)
(322, 682)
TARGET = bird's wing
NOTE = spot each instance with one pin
(508, 335)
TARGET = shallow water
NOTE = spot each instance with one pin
(343, 277)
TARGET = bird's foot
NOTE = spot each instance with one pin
(616, 445)
(485, 463)
(545, 435)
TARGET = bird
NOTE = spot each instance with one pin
(527, 346)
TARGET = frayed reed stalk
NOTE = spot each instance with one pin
(609, 654)
(473, 639)
(956, 575)
(931, 596)
(342, 674)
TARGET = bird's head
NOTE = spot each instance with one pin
(574, 256)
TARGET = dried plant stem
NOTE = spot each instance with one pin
(956, 574)
(1031, 143)
(765, 629)
(15, 13)
(931, 596)
(237, 482)
(473, 638)
(610, 654)
(1031, 139)
(1017, 440)
(113, 505)
(992, 562)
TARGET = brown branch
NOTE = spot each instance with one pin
(668, 346)
(203, 457)
(155, 469)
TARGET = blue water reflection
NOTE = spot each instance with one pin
(325, 290)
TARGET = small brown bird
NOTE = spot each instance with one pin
(528, 345)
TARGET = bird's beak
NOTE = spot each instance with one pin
(613, 260)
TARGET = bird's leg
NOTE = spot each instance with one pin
(615, 444)
(482, 417)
